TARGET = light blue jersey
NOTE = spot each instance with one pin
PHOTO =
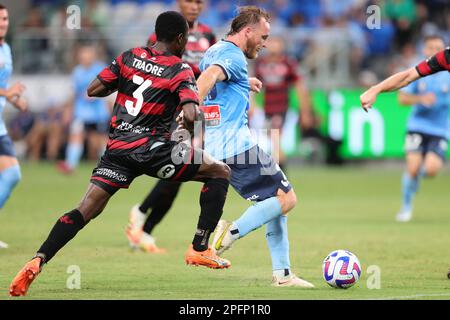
(433, 120)
(227, 133)
(87, 109)
(6, 69)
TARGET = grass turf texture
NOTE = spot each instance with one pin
(351, 208)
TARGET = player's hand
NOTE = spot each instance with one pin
(428, 99)
(180, 120)
(255, 84)
(15, 91)
(368, 98)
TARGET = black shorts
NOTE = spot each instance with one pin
(424, 143)
(170, 160)
(256, 176)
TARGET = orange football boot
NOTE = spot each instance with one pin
(205, 258)
(20, 284)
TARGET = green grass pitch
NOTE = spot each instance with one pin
(351, 208)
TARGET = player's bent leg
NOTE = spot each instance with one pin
(216, 176)
(288, 200)
(65, 229)
(410, 185)
(433, 164)
(10, 176)
(74, 149)
(160, 201)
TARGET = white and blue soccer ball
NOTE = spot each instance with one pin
(341, 269)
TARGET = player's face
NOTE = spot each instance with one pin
(4, 23)
(257, 38)
(433, 46)
(180, 45)
(191, 9)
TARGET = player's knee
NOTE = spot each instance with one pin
(223, 171)
(431, 172)
(11, 176)
(288, 202)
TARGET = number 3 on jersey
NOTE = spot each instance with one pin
(138, 94)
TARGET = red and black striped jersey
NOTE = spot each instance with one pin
(439, 62)
(200, 38)
(151, 87)
(277, 77)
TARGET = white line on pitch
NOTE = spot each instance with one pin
(414, 296)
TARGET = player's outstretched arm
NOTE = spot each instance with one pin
(98, 89)
(394, 82)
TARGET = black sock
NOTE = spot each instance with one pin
(63, 231)
(212, 200)
(162, 186)
(160, 200)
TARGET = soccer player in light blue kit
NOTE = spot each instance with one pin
(224, 86)
(428, 125)
(9, 166)
(90, 116)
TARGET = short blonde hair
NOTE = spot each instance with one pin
(247, 15)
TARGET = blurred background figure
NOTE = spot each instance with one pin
(47, 133)
(88, 117)
(10, 173)
(426, 139)
(279, 73)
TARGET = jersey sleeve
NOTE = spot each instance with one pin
(109, 76)
(184, 85)
(439, 62)
(233, 65)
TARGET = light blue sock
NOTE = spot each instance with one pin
(410, 186)
(278, 242)
(257, 215)
(8, 180)
(73, 154)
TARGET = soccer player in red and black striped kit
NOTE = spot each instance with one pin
(152, 83)
(162, 196)
(279, 73)
(439, 62)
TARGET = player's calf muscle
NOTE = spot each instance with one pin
(287, 200)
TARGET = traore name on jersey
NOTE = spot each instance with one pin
(151, 87)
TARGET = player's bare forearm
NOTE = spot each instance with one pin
(397, 81)
(98, 89)
(427, 99)
(408, 99)
(208, 79)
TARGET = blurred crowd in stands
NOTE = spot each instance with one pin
(323, 36)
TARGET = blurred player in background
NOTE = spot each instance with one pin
(9, 166)
(426, 139)
(161, 198)
(151, 83)
(88, 116)
(225, 87)
(279, 73)
(438, 62)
